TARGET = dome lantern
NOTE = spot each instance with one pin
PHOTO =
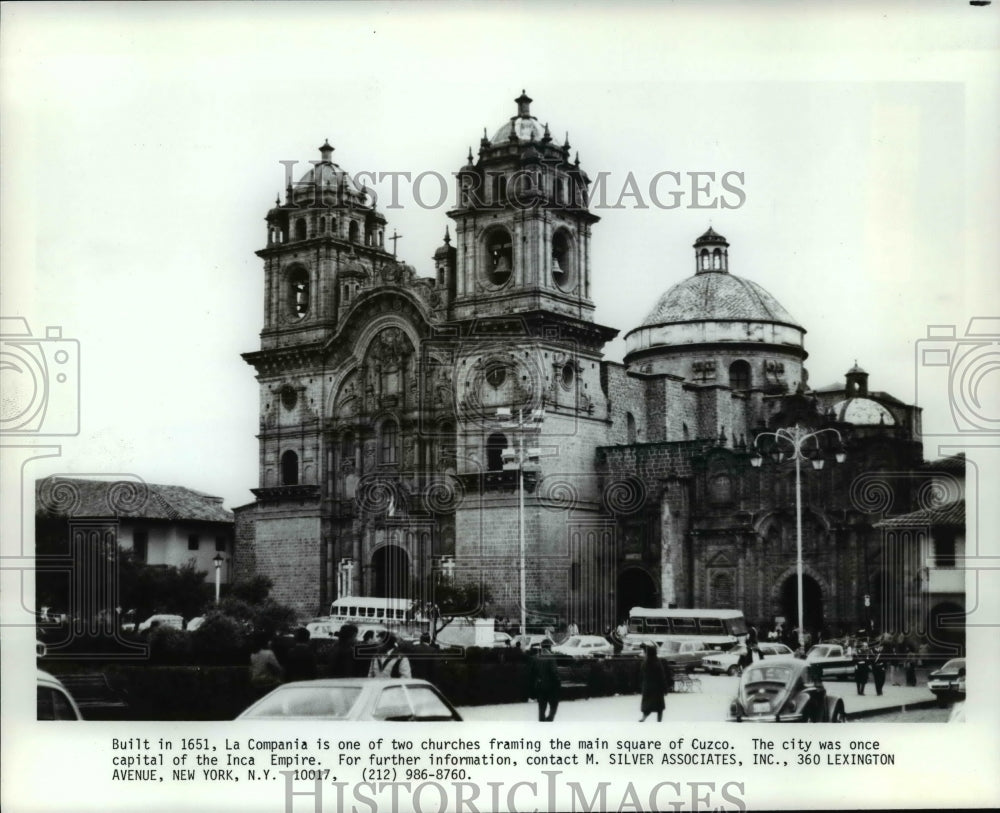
(711, 253)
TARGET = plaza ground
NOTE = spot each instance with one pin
(711, 704)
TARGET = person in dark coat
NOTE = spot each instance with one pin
(878, 672)
(342, 661)
(753, 643)
(861, 673)
(300, 661)
(545, 686)
(655, 684)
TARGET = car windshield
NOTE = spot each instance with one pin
(573, 642)
(671, 646)
(427, 705)
(954, 665)
(308, 701)
(818, 652)
(762, 673)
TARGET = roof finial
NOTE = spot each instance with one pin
(523, 105)
(469, 157)
(547, 136)
(447, 236)
(326, 150)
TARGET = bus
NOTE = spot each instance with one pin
(717, 629)
(368, 612)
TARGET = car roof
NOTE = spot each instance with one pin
(359, 681)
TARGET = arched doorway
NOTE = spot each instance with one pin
(812, 603)
(636, 588)
(391, 569)
(495, 444)
(946, 628)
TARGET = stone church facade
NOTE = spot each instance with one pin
(396, 409)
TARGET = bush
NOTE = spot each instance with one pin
(220, 639)
(186, 692)
(169, 645)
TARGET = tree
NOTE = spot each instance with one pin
(249, 603)
(451, 599)
(150, 589)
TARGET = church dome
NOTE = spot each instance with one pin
(714, 325)
(863, 412)
(353, 267)
(523, 125)
(324, 178)
(717, 296)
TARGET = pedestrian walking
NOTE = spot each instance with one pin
(544, 683)
(265, 670)
(861, 674)
(910, 667)
(878, 672)
(391, 662)
(753, 643)
(300, 661)
(745, 659)
(342, 661)
(655, 684)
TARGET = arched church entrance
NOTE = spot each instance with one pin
(636, 588)
(391, 569)
(812, 603)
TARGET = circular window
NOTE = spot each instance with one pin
(499, 257)
(496, 375)
(568, 376)
(289, 398)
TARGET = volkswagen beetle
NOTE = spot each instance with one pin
(784, 690)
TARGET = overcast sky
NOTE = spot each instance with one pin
(142, 149)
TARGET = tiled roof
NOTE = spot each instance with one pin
(73, 497)
(950, 514)
(713, 296)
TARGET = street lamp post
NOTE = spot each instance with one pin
(218, 567)
(795, 438)
(517, 457)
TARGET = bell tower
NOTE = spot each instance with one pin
(522, 225)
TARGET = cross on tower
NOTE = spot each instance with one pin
(394, 238)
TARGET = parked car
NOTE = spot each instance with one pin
(948, 682)
(396, 699)
(728, 662)
(585, 646)
(683, 655)
(832, 660)
(784, 690)
(54, 702)
(162, 620)
(501, 640)
(530, 643)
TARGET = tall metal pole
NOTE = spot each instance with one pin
(520, 518)
(798, 535)
(796, 437)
